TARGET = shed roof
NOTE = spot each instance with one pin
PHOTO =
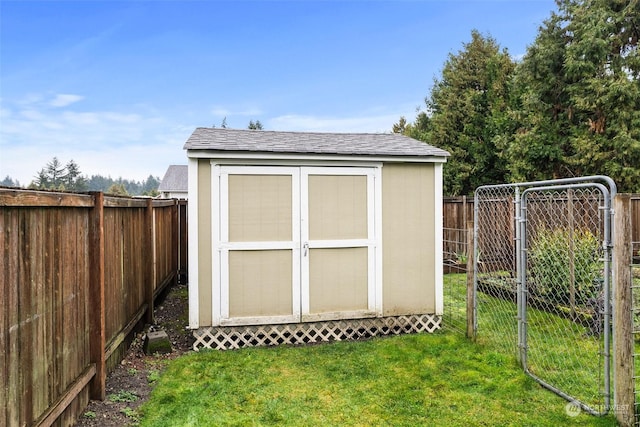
(175, 179)
(368, 144)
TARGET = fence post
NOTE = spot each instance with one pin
(471, 333)
(182, 263)
(96, 297)
(624, 399)
(175, 233)
(149, 263)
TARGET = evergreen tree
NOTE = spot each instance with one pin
(541, 109)
(150, 186)
(255, 125)
(401, 126)
(74, 181)
(467, 112)
(117, 189)
(51, 177)
(578, 109)
(9, 182)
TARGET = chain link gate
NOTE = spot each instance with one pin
(542, 282)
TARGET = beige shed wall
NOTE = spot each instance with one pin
(408, 242)
(408, 239)
(204, 242)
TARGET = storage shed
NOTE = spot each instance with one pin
(304, 237)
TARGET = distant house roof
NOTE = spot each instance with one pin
(367, 144)
(175, 179)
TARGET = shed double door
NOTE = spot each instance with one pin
(296, 244)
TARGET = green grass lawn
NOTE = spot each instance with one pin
(561, 352)
(439, 379)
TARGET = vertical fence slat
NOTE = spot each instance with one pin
(9, 344)
(97, 298)
(24, 354)
(148, 266)
(5, 288)
(182, 263)
(175, 250)
(623, 324)
(42, 319)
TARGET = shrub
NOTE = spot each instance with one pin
(550, 266)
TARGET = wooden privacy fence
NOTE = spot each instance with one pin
(456, 211)
(78, 273)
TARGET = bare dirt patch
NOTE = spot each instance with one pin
(130, 384)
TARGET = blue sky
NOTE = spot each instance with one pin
(118, 86)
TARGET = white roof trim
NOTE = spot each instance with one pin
(212, 154)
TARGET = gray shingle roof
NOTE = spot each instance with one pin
(368, 144)
(175, 179)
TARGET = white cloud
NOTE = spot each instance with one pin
(141, 141)
(127, 144)
(65, 99)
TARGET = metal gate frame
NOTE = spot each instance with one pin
(608, 189)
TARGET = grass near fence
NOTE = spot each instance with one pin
(424, 379)
(560, 352)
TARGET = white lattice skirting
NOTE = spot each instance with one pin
(231, 337)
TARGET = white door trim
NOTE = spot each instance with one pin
(222, 246)
(298, 245)
(372, 242)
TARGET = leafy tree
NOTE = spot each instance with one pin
(255, 125)
(578, 107)
(467, 112)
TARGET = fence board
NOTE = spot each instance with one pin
(39, 199)
(96, 300)
(635, 219)
(67, 260)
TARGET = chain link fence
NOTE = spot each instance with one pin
(541, 286)
(496, 294)
(455, 256)
(567, 316)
